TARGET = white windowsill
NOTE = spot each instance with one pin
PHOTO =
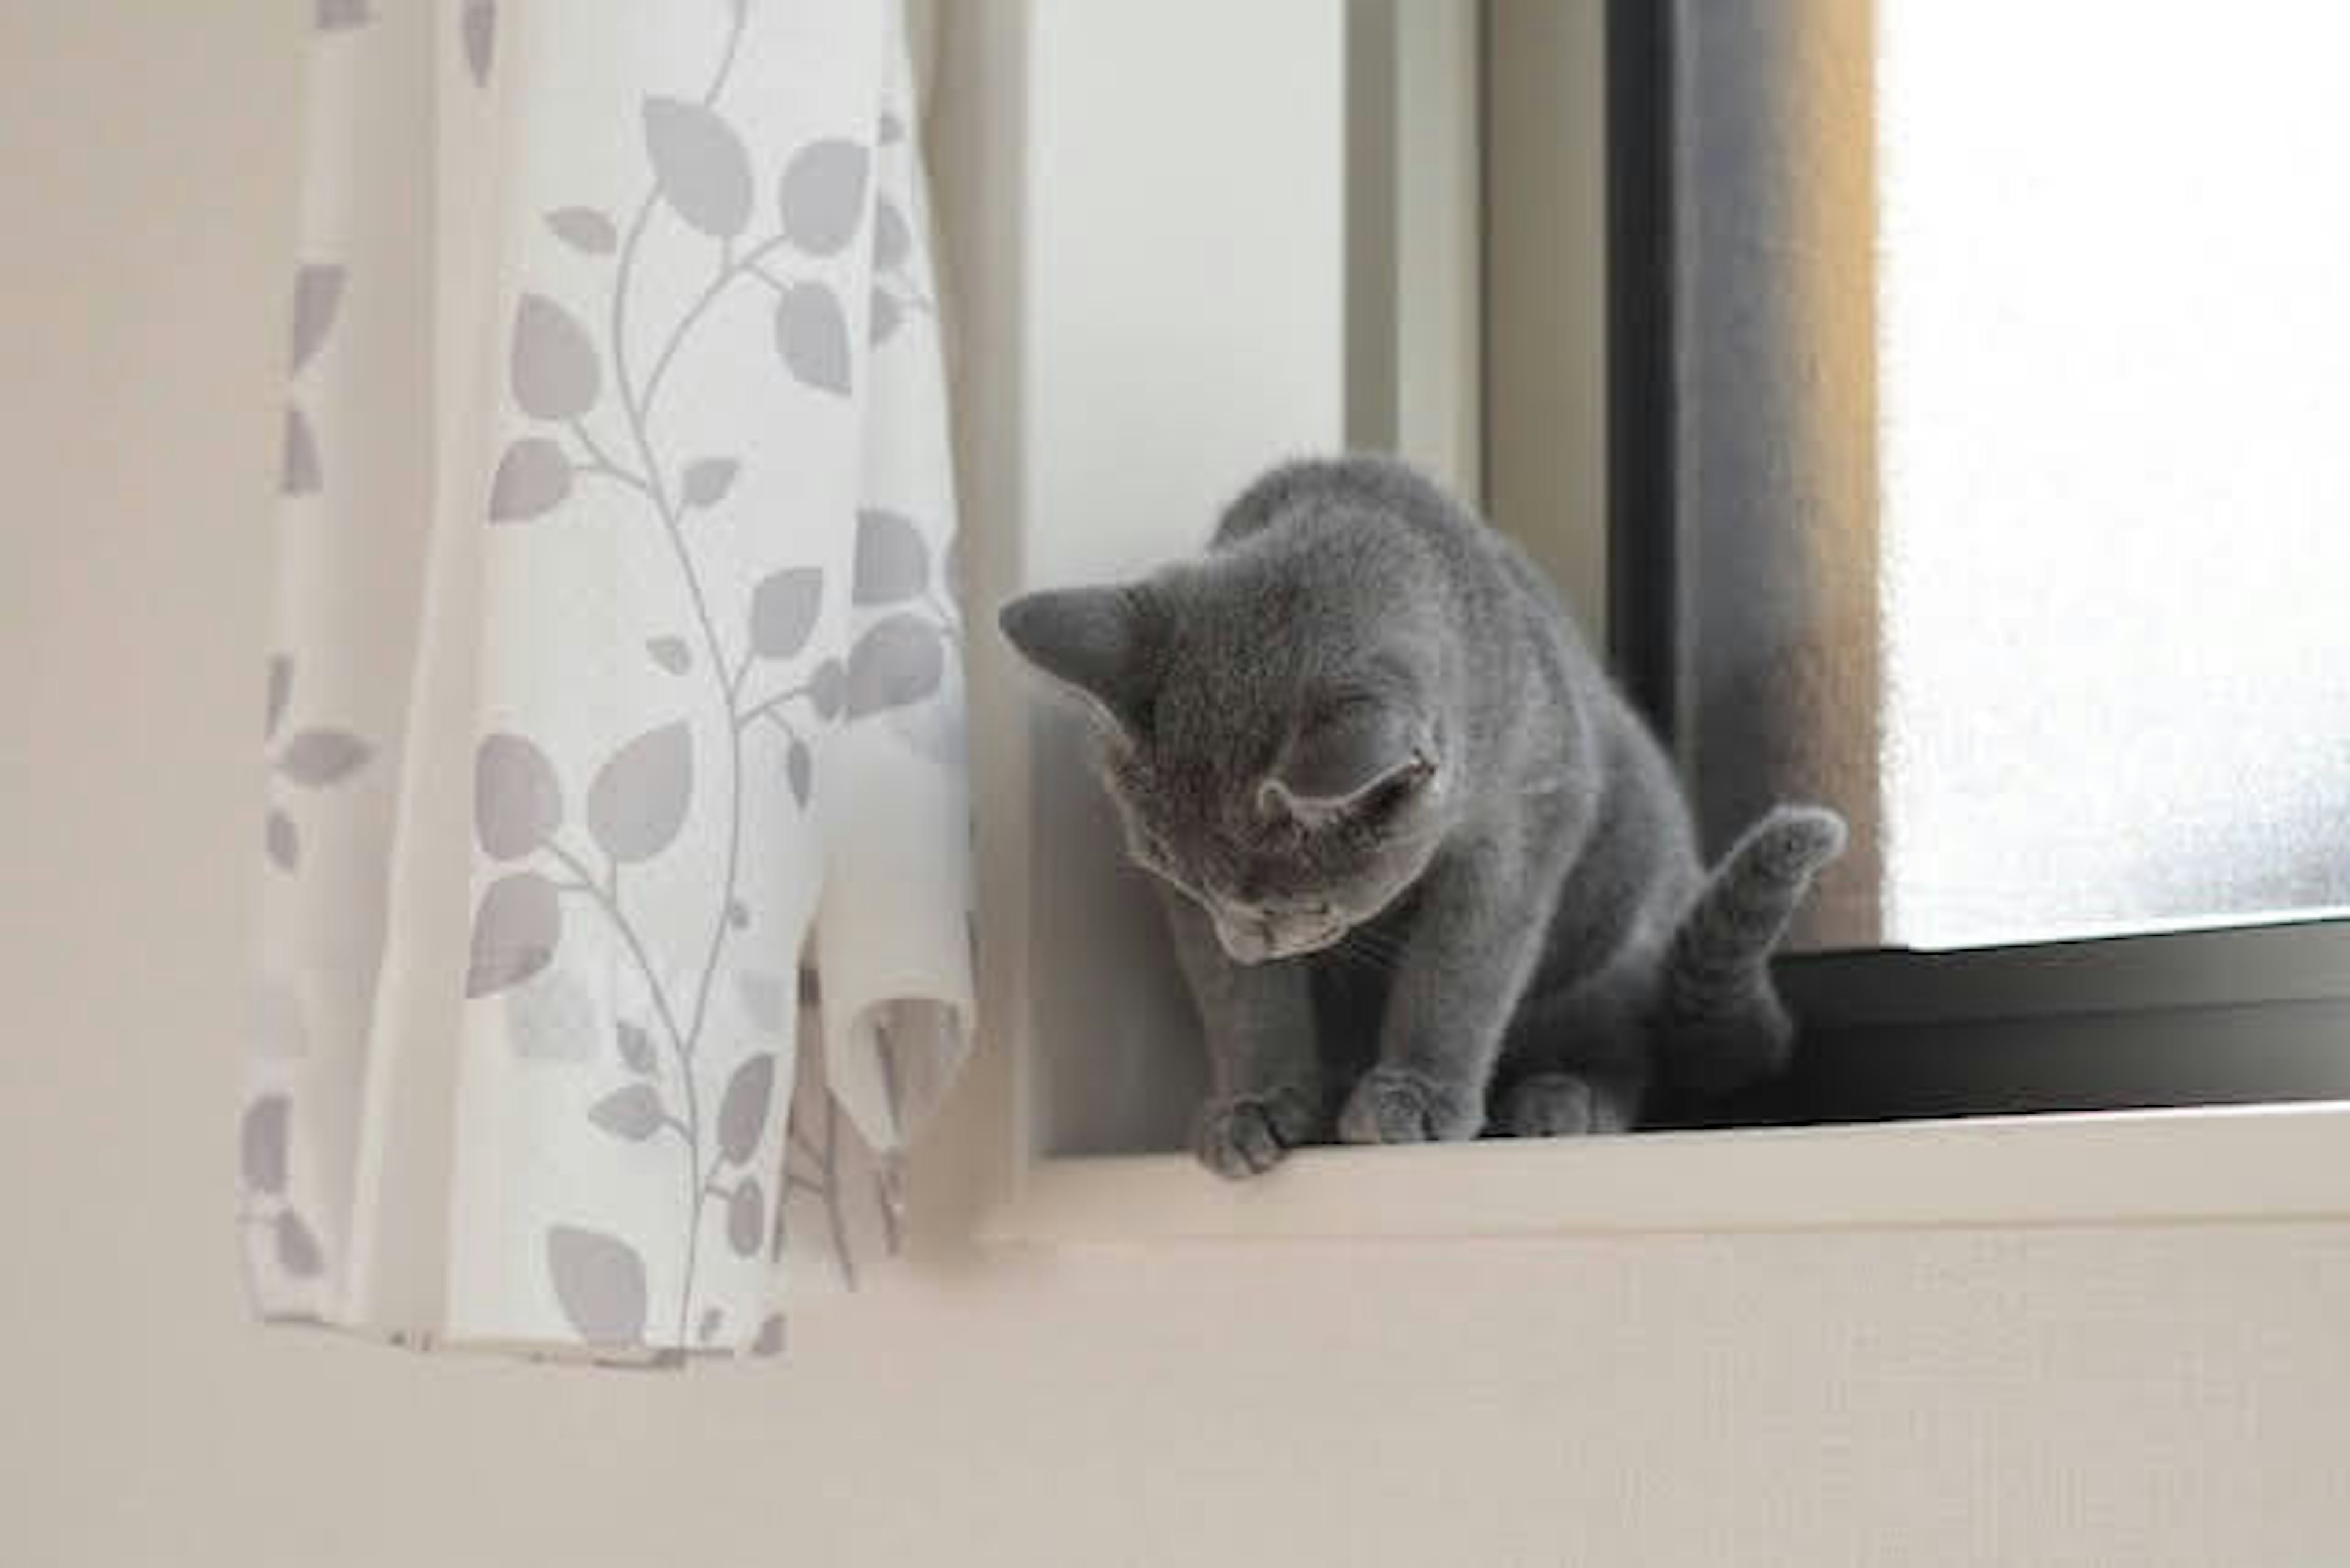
(2221, 1164)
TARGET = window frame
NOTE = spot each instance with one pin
(1030, 448)
(1896, 1004)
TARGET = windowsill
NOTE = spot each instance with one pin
(2163, 1166)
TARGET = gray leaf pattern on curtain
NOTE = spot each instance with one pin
(636, 884)
(263, 1142)
(479, 25)
(310, 759)
(335, 14)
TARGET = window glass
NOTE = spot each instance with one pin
(2016, 455)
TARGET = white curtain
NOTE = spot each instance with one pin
(615, 926)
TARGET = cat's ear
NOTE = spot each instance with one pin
(1366, 760)
(1103, 643)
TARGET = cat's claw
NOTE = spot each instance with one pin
(1392, 1105)
(1241, 1135)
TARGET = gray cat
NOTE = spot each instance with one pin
(1425, 868)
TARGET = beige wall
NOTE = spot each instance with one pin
(1545, 448)
(2135, 1397)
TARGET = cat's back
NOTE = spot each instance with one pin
(1373, 527)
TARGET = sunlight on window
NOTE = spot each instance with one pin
(2113, 361)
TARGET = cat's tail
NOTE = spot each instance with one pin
(1721, 1023)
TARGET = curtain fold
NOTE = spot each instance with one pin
(616, 926)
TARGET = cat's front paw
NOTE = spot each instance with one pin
(1247, 1134)
(1391, 1104)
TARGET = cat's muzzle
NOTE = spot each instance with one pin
(1268, 940)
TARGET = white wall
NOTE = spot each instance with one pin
(1545, 414)
(1180, 282)
(2143, 1396)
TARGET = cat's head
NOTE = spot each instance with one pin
(1292, 785)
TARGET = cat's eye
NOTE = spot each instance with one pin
(1388, 799)
(1148, 849)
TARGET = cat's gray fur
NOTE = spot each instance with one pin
(1425, 868)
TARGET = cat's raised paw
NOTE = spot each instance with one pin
(1246, 1135)
(1392, 1105)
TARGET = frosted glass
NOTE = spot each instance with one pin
(2114, 381)
(2013, 455)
